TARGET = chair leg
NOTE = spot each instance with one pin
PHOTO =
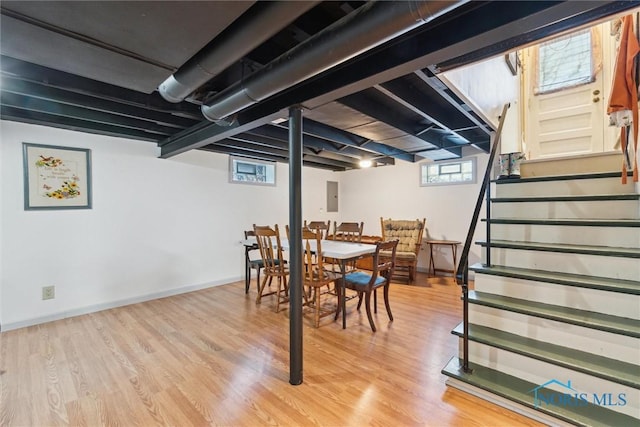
(359, 301)
(305, 295)
(261, 289)
(278, 294)
(258, 280)
(386, 301)
(282, 285)
(368, 307)
(247, 277)
(375, 300)
(317, 307)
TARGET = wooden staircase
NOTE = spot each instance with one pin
(554, 322)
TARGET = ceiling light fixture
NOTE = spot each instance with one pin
(365, 163)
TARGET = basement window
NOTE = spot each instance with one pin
(458, 172)
(249, 171)
(566, 62)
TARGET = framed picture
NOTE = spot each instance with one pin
(512, 62)
(56, 177)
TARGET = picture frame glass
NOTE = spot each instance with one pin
(56, 177)
(251, 171)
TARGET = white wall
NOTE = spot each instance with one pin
(488, 85)
(157, 226)
(395, 192)
(160, 227)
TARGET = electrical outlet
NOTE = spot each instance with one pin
(48, 292)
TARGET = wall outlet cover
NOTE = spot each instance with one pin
(48, 292)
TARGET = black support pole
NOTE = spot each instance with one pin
(295, 245)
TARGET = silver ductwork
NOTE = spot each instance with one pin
(240, 38)
(365, 28)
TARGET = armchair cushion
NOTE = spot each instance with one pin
(260, 262)
(361, 279)
(408, 234)
(255, 263)
(401, 256)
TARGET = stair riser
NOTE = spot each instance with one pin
(595, 341)
(614, 209)
(624, 237)
(575, 187)
(540, 372)
(613, 303)
(590, 265)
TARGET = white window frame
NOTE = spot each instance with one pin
(442, 170)
(263, 173)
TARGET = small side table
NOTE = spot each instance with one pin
(454, 252)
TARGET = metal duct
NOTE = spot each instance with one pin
(365, 28)
(257, 25)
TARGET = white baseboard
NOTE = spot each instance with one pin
(506, 403)
(113, 304)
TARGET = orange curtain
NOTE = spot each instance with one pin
(624, 90)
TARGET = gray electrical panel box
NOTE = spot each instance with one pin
(332, 196)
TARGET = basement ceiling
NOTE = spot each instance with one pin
(96, 66)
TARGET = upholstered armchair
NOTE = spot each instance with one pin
(409, 236)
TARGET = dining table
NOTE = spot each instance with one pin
(344, 252)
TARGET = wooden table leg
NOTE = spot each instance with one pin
(454, 250)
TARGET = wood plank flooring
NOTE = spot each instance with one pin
(213, 357)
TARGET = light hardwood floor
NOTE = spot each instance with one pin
(213, 357)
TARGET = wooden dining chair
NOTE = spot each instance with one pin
(345, 232)
(324, 227)
(251, 263)
(367, 283)
(274, 264)
(316, 277)
(348, 231)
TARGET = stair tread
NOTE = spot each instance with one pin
(559, 177)
(602, 367)
(589, 319)
(522, 392)
(569, 198)
(566, 248)
(579, 280)
(577, 222)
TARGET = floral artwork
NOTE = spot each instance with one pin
(69, 188)
(57, 177)
(48, 161)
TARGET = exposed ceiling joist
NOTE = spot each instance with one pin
(396, 107)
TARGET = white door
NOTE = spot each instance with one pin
(565, 103)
